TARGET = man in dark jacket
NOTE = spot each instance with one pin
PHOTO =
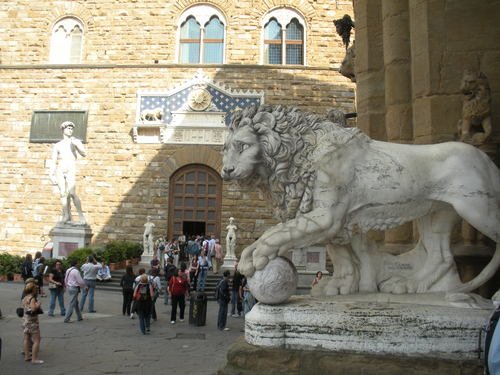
(223, 298)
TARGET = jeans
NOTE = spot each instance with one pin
(222, 316)
(201, 279)
(127, 301)
(59, 294)
(181, 300)
(90, 291)
(144, 321)
(73, 304)
(235, 302)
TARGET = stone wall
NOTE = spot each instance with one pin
(120, 182)
(131, 46)
(142, 32)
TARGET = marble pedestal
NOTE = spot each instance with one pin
(146, 261)
(229, 263)
(68, 237)
(368, 324)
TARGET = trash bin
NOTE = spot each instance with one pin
(198, 309)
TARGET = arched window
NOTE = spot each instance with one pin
(190, 41)
(202, 34)
(284, 36)
(66, 42)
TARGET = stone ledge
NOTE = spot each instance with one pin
(246, 359)
(421, 325)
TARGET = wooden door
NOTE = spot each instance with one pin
(195, 197)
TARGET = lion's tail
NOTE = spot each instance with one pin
(487, 273)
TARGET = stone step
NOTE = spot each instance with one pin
(114, 284)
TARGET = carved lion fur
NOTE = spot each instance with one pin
(329, 184)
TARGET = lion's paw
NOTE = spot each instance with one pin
(260, 262)
(395, 285)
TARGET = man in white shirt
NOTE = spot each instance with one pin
(73, 282)
(89, 270)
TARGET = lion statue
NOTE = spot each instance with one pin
(475, 125)
(150, 115)
(330, 185)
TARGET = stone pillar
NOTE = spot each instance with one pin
(398, 95)
(434, 110)
(369, 68)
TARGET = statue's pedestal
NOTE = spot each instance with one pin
(146, 261)
(68, 237)
(356, 324)
(229, 263)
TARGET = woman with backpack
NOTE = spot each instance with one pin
(143, 296)
(27, 267)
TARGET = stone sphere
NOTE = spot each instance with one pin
(275, 283)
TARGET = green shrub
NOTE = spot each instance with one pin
(119, 250)
(10, 264)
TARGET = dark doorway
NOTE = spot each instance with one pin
(193, 228)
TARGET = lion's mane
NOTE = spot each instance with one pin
(291, 141)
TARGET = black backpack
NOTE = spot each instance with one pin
(488, 329)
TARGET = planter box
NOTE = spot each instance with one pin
(18, 277)
(113, 266)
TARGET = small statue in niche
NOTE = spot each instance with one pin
(475, 125)
(344, 26)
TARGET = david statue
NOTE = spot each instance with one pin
(330, 184)
(63, 171)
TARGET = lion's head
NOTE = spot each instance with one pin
(273, 147)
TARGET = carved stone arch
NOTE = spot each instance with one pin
(301, 6)
(222, 5)
(71, 9)
(199, 154)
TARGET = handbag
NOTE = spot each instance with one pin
(20, 312)
(34, 312)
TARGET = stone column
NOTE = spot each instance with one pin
(369, 68)
(435, 109)
(398, 95)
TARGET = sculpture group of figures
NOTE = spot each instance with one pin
(331, 184)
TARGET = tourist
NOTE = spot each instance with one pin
(170, 270)
(156, 283)
(193, 248)
(31, 326)
(143, 301)
(203, 264)
(218, 256)
(317, 278)
(223, 298)
(174, 251)
(89, 270)
(127, 284)
(140, 272)
(73, 282)
(34, 271)
(155, 263)
(246, 296)
(236, 305)
(27, 267)
(178, 287)
(38, 275)
(211, 252)
(194, 269)
(103, 274)
(56, 288)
